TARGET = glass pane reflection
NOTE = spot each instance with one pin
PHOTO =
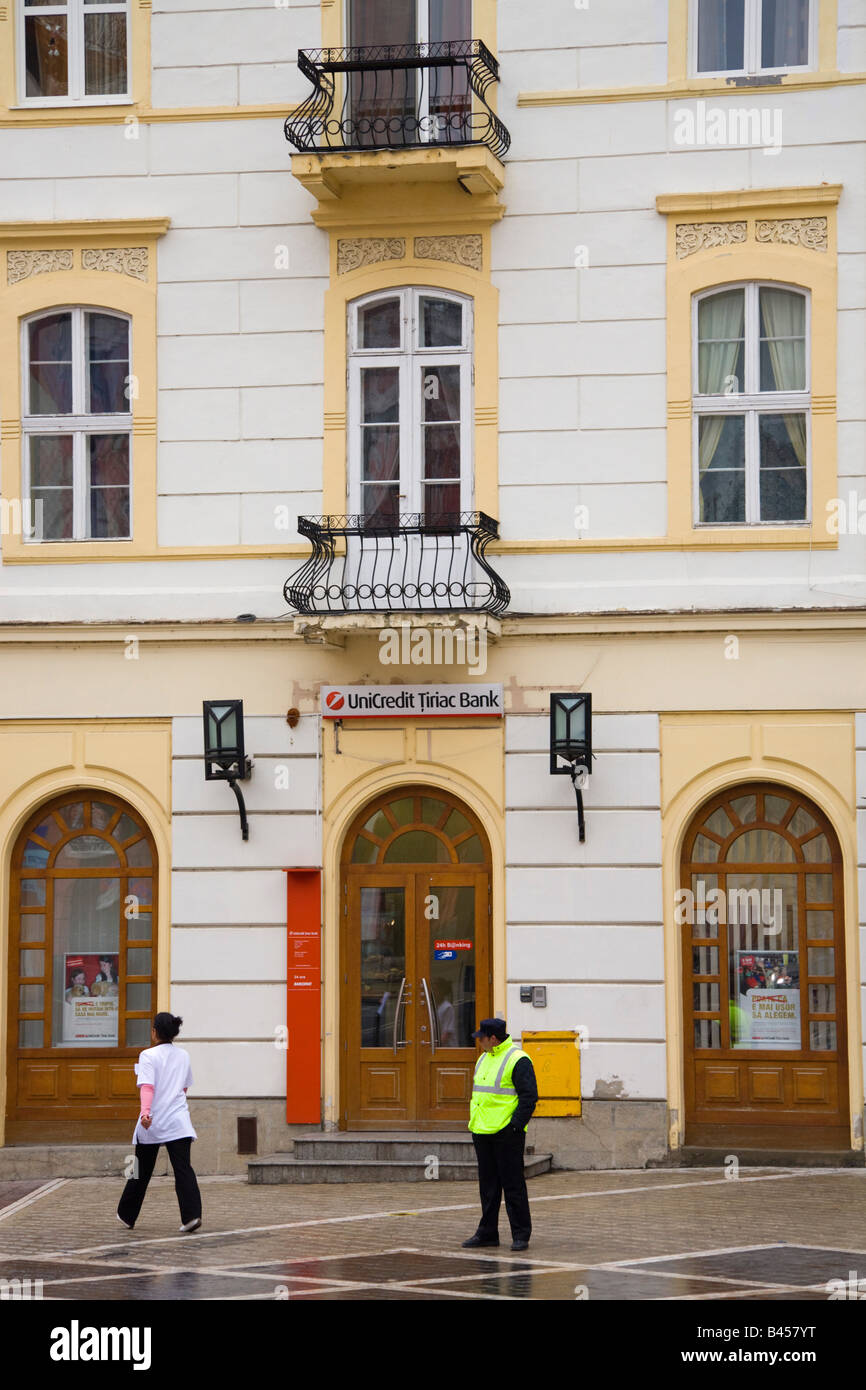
(383, 962)
(451, 966)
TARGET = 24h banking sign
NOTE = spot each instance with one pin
(410, 701)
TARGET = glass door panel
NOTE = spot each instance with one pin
(450, 955)
(383, 967)
(86, 956)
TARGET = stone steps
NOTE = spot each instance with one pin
(19, 1161)
(379, 1157)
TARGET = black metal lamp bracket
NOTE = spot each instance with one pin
(233, 783)
(581, 823)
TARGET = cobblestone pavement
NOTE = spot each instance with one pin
(771, 1234)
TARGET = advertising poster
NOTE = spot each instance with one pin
(90, 1001)
(769, 1003)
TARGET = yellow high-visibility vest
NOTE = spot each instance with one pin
(494, 1099)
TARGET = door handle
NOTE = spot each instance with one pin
(431, 1015)
(397, 1013)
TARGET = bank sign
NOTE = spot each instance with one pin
(410, 701)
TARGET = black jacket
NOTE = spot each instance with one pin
(526, 1087)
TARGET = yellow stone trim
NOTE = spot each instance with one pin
(40, 759)
(334, 178)
(685, 91)
(734, 262)
(812, 752)
(128, 295)
(84, 231)
(12, 113)
(756, 198)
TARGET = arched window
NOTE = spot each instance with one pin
(410, 408)
(751, 405)
(83, 941)
(414, 827)
(77, 424)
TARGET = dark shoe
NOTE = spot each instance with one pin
(124, 1223)
(474, 1241)
(520, 1245)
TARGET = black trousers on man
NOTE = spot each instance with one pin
(500, 1169)
(185, 1183)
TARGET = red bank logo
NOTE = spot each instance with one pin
(334, 700)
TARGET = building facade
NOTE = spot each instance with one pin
(453, 344)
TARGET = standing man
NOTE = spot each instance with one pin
(504, 1095)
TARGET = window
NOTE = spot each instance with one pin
(77, 424)
(410, 386)
(439, 95)
(751, 405)
(73, 51)
(751, 36)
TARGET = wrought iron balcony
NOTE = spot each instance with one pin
(410, 564)
(398, 96)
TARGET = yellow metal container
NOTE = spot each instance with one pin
(556, 1059)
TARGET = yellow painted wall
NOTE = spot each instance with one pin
(811, 752)
(41, 759)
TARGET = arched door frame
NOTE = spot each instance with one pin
(338, 820)
(676, 820)
(14, 816)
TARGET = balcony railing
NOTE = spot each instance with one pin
(411, 564)
(398, 96)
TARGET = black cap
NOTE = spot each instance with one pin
(493, 1028)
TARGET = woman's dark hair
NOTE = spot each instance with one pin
(167, 1027)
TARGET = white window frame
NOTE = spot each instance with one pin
(751, 402)
(408, 359)
(79, 423)
(751, 44)
(74, 10)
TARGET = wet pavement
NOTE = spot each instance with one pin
(773, 1235)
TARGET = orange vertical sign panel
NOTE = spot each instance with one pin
(304, 996)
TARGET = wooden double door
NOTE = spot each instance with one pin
(416, 967)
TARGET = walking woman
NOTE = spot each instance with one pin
(164, 1073)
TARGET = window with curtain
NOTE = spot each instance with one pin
(751, 36)
(431, 95)
(74, 51)
(77, 424)
(751, 406)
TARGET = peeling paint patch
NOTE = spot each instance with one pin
(610, 1090)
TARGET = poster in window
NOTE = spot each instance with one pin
(766, 1013)
(90, 1000)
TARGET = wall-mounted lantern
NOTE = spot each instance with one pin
(571, 744)
(224, 759)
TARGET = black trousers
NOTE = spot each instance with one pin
(500, 1169)
(185, 1184)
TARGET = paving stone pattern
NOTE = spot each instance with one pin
(770, 1235)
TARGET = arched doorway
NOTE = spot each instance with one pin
(761, 908)
(82, 968)
(415, 960)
